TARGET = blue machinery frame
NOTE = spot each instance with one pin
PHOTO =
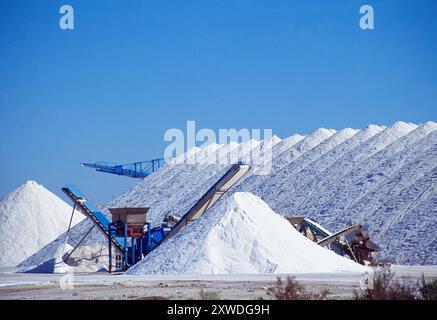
(138, 170)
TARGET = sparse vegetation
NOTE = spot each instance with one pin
(428, 289)
(293, 290)
(208, 295)
(385, 287)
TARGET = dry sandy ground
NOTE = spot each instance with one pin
(106, 286)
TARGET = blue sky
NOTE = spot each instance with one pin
(130, 70)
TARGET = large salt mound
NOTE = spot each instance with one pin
(380, 176)
(242, 235)
(30, 218)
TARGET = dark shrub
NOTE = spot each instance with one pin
(293, 290)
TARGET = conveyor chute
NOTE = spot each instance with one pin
(229, 179)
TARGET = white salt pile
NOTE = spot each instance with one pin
(30, 218)
(242, 235)
(380, 176)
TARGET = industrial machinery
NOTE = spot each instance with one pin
(129, 233)
(125, 233)
(139, 169)
(352, 241)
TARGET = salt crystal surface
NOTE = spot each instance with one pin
(30, 218)
(242, 235)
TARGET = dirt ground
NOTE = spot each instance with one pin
(109, 287)
(251, 290)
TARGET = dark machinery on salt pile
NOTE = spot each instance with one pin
(129, 233)
(352, 241)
